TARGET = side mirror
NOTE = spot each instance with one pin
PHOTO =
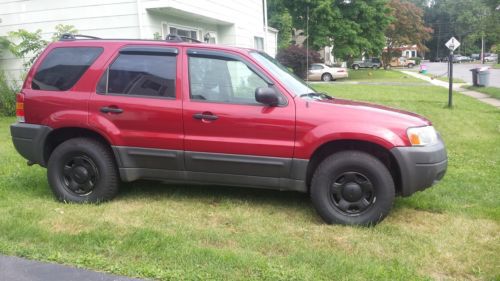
(267, 96)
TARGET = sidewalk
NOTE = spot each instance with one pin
(17, 269)
(457, 88)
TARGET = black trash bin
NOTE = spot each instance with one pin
(474, 76)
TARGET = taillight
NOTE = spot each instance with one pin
(20, 107)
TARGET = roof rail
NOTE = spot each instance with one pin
(70, 37)
(177, 38)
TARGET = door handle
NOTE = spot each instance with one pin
(205, 116)
(109, 109)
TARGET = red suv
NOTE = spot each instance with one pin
(96, 112)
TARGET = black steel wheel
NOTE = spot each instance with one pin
(82, 170)
(353, 188)
(352, 193)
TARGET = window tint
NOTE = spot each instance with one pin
(140, 75)
(220, 80)
(63, 67)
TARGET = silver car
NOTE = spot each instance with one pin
(319, 71)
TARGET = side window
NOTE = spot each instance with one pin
(63, 67)
(220, 80)
(140, 75)
(316, 67)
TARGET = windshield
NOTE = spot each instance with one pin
(292, 82)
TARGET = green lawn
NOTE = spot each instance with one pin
(380, 75)
(496, 66)
(492, 91)
(177, 232)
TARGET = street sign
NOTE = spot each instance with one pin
(452, 44)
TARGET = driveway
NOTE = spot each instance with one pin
(462, 71)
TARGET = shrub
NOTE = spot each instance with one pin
(295, 57)
(8, 93)
(417, 60)
(30, 45)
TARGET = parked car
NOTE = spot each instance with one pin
(401, 62)
(460, 59)
(491, 58)
(475, 56)
(319, 71)
(99, 112)
(374, 63)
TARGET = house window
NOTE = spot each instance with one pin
(181, 31)
(258, 43)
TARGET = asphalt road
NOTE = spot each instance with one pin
(462, 71)
(17, 269)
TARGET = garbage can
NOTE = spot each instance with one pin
(423, 69)
(474, 76)
(483, 77)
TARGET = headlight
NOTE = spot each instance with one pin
(422, 136)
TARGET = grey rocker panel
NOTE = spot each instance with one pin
(211, 168)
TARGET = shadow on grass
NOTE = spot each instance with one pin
(212, 193)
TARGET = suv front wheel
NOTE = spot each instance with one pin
(353, 188)
(82, 170)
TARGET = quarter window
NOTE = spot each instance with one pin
(63, 67)
(221, 80)
(140, 75)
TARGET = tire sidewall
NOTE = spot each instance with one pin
(106, 182)
(327, 77)
(365, 164)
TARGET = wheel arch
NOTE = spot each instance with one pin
(376, 150)
(60, 135)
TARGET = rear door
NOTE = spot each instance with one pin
(138, 104)
(226, 130)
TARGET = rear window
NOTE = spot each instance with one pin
(63, 67)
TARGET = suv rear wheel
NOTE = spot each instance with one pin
(356, 67)
(352, 187)
(82, 170)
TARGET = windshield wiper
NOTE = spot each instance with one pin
(317, 96)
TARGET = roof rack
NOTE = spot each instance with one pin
(177, 38)
(69, 37)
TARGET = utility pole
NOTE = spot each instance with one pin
(307, 44)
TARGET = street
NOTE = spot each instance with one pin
(462, 71)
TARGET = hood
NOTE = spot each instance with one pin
(362, 112)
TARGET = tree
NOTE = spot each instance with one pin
(62, 29)
(352, 27)
(29, 47)
(296, 58)
(280, 18)
(407, 28)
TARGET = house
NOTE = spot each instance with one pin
(407, 51)
(240, 23)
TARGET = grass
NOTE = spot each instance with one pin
(492, 91)
(177, 232)
(496, 66)
(380, 75)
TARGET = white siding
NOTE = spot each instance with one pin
(235, 22)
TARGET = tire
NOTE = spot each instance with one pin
(327, 77)
(410, 65)
(352, 188)
(83, 170)
(355, 67)
(374, 67)
(388, 67)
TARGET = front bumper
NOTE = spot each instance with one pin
(29, 141)
(420, 167)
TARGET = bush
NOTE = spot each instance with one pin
(7, 96)
(295, 57)
(417, 60)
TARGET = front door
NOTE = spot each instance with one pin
(226, 130)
